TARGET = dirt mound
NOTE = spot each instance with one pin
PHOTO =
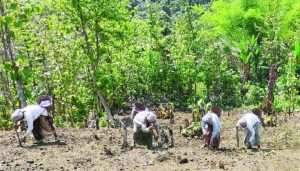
(101, 150)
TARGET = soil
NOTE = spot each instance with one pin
(88, 149)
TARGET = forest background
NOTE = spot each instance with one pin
(103, 55)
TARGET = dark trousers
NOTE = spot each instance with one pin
(215, 142)
(40, 124)
(142, 138)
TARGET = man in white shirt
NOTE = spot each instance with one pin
(37, 120)
(144, 122)
(250, 123)
(211, 127)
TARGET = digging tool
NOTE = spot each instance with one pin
(171, 137)
(20, 143)
(237, 137)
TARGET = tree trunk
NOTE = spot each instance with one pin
(246, 75)
(7, 93)
(7, 44)
(267, 105)
(93, 62)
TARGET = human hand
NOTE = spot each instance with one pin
(16, 127)
(23, 140)
(156, 138)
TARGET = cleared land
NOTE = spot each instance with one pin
(85, 151)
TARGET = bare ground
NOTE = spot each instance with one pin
(280, 150)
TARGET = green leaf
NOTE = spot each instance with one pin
(26, 72)
(297, 50)
(13, 5)
(28, 11)
(11, 34)
(13, 76)
(18, 24)
(20, 59)
(8, 19)
(22, 17)
(8, 66)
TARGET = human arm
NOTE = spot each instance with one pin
(203, 125)
(242, 123)
(29, 121)
(142, 125)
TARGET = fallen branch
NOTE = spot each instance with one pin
(125, 142)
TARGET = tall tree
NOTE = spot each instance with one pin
(6, 36)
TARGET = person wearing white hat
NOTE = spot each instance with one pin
(144, 122)
(37, 119)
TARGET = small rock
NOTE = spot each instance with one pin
(30, 161)
(42, 148)
(184, 160)
(178, 157)
(221, 166)
(148, 163)
(75, 167)
(17, 164)
(107, 151)
(171, 153)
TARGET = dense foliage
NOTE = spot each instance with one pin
(218, 52)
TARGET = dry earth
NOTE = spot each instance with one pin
(280, 150)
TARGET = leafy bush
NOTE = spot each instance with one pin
(255, 95)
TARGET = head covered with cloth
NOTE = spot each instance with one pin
(250, 123)
(211, 127)
(144, 122)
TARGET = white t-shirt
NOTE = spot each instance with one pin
(31, 113)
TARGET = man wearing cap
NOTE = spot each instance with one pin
(144, 122)
(250, 123)
(37, 120)
(211, 127)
